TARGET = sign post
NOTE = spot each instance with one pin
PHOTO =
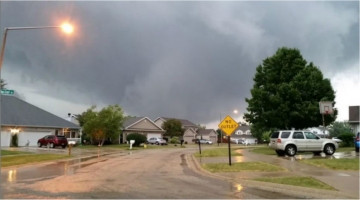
(228, 126)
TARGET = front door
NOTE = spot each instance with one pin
(299, 140)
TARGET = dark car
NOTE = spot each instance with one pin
(357, 142)
(52, 141)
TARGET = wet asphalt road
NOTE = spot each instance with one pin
(152, 174)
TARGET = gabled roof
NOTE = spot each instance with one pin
(17, 112)
(242, 128)
(204, 131)
(184, 122)
(134, 120)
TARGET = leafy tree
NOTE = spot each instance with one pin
(138, 137)
(174, 140)
(338, 128)
(105, 124)
(173, 127)
(3, 84)
(286, 94)
(266, 136)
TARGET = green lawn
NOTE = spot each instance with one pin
(345, 149)
(243, 166)
(217, 152)
(297, 181)
(25, 159)
(335, 164)
(8, 153)
(264, 150)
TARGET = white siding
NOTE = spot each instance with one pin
(5, 138)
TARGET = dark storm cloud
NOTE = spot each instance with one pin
(179, 59)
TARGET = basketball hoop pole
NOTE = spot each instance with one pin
(323, 123)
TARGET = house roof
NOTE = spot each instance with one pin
(354, 113)
(17, 112)
(133, 120)
(204, 131)
(184, 122)
(242, 128)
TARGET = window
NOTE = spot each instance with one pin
(310, 136)
(248, 132)
(298, 135)
(238, 132)
(285, 134)
(275, 135)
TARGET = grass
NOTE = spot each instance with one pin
(25, 159)
(335, 164)
(243, 166)
(345, 149)
(264, 150)
(217, 152)
(8, 153)
(297, 181)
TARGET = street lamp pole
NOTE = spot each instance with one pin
(66, 28)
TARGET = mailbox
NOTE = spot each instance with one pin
(132, 141)
(72, 142)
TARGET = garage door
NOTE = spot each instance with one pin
(5, 139)
(31, 137)
(151, 135)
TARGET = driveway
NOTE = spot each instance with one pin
(148, 174)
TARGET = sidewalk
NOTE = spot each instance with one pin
(346, 182)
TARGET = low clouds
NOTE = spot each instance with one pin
(179, 59)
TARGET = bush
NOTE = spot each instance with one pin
(138, 137)
(174, 140)
(14, 140)
(347, 139)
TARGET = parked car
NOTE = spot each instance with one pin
(205, 141)
(292, 141)
(336, 139)
(157, 141)
(52, 141)
(357, 142)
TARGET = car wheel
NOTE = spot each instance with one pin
(52, 145)
(357, 149)
(280, 152)
(329, 149)
(290, 150)
(39, 144)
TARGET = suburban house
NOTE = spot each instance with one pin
(73, 136)
(243, 133)
(30, 123)
(142, 125)
(354, 118)
(191, 130)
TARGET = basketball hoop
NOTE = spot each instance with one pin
(326, 107)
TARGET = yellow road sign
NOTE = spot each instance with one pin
(228, 125)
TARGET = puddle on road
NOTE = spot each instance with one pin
(51, 170)
(336, 155)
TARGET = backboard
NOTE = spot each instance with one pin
(326, 107)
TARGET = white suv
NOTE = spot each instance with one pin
(291, 141)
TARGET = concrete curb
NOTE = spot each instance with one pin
(296, 191)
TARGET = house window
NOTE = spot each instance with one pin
(248, 133)
(238, 133)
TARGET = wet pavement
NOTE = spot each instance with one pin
(165, 174)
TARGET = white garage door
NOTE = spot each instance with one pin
(31, 137)
(5, 139)
(151, 135)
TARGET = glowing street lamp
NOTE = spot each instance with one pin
(66, 27)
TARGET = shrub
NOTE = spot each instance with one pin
(138, 137)
(174, 140)
(347, 139)
(14, 140)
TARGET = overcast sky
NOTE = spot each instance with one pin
(191, 60)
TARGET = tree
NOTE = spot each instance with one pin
(3, 84)
(105, 124)
(173, 127)
(286, 94)
(138, 137)
(337, 128)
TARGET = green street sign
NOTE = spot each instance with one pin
(7, 91)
